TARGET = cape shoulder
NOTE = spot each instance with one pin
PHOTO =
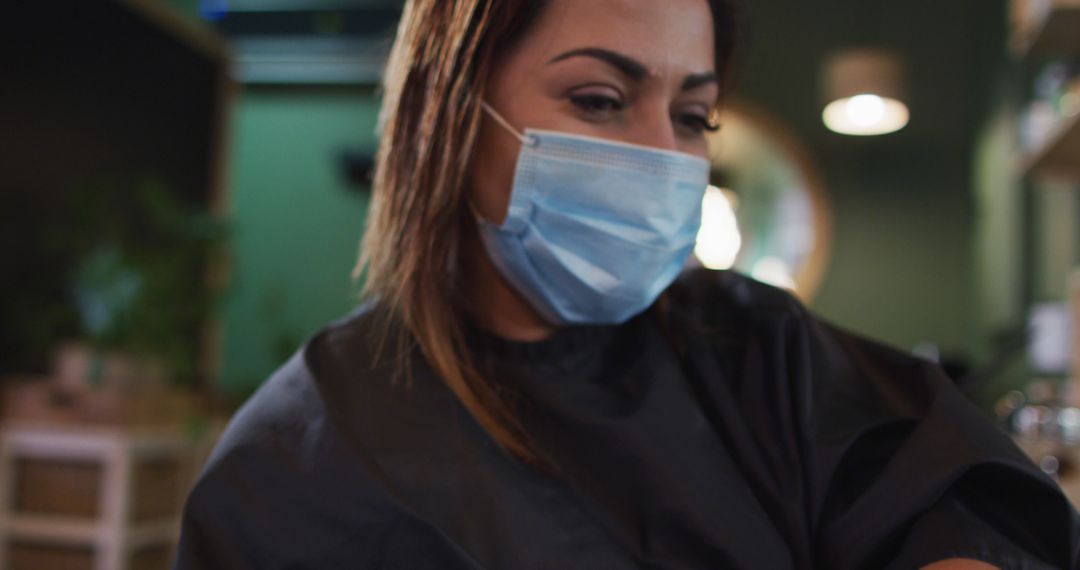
(287, 486)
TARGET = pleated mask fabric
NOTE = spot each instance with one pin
(595, 229)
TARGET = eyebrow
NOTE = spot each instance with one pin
(698, 80)
(631, 67)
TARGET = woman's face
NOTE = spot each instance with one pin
(635, 71)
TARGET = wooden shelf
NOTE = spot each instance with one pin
(1059, 156)
(135, 481)
(1055, 36)
(67, 530)
(71, 530)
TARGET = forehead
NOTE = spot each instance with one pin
(668, 36)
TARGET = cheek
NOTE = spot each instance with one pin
(698, 146)
(491, 173)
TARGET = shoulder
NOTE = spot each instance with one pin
(729, 304)
(357, 340)
(735, 311)
(284, 481)
(291, 414)
(715, 295)
(839, 381)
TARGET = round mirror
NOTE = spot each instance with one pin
(765, 214)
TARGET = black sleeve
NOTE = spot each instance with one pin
(913, 472)
(868, 457)
(953, 529)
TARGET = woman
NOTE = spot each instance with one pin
(530, 384)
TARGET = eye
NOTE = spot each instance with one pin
(698, 123)
(596, 106)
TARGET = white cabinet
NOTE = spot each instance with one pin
(100, 498)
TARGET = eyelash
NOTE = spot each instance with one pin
(702, 124)
(591, 103)
(597, 104)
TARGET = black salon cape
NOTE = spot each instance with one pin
(775, 441)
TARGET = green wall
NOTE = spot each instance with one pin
(901, 265)
(999, 235)
(297, 223)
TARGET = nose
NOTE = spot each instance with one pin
(653, 128)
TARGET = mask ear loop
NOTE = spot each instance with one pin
(477, 216)
(525, 139)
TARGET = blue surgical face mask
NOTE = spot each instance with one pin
(596, 229)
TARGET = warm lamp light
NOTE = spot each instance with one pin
(719, 239)
(864, 91)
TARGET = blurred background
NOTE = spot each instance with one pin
(185, 182)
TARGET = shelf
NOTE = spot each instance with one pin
(67, 530)
(1059, 156)
(63, 528)
(1055, 36)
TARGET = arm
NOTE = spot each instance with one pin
(989, 502)
(902, 470)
